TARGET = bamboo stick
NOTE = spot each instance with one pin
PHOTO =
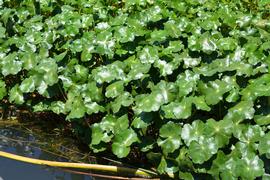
(106, 168)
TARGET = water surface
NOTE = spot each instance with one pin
(21, 143)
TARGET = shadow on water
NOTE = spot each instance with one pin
(48, 141)
(14, 141)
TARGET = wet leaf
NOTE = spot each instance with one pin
(122, 142)
(93, 107)
(3, 90)
(170, 137)
(10, 64)
(202, 150)
(264, 144)
(28, 85)
(250, 167)
(15, 95)
(58, 107)
(178, 110)
(78, 108)
(148, 55)
(242, 110)
(115, 89)
(143, 120)
(192, 132)
(220, 130)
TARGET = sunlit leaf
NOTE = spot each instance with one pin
(15, 95)
(192, 132)
(122, 141)
(202, 150)
(10, 64)
(250, 166)
(28, 85)
(264, 145)
(3, 90)
(115, 89)
(170, 137)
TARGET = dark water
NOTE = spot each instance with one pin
(20, 143)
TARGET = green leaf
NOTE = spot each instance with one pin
(170, 137)
(115, 89)
(162, 166)
(93, 107)
(15, 95)
(124, 99)
(143, 120)
(149, 102)
(40, 107)
(58, 107)
(138, 70)
(29, 60)
(122, 123)
(250, 167)
(81, 73)
(2, 32)
(86, 54)
(220, 130)
(77, 108)
(10, 64)
(264, 144)
(167, 166)
(28, 85)
(185, 176)
(61, 56)
(233, 96)
(48, 68)
(174, 46)
(262, 120)
(164, 67)
(214, 90)
(249, 134)
(105, 43)
(122, 141)
(192, 132)
(109, 73)
(126, 137)
(119, 150)
(124, 34)
(227, 44)
(242, 110)
(3, 90)
(99, 135)
(200, 103)
(146, 144)
(92, 92)
(187, 82)
(202, 150)
(178, 110)
(158, 35)
(148, 55)
(224, 166)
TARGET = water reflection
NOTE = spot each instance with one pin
(25, 144)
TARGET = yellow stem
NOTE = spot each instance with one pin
(8, 122)
(97, 167)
